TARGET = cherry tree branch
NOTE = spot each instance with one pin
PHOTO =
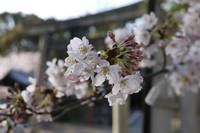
(75, 106)
(67, 108)
(164, 58)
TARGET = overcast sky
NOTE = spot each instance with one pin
(60, 9)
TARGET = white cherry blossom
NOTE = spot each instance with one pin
(191, 21)
(4, 92)
(147, 63)
(27, 96)
(70, 61)
(78, 47)
(194, 52)
(29, 91)
(107, 71)
(147, 21)
(148, 53)
(55, 72)
(142, 36)
(118, 98)
(3, 126)
(121, 34)
(81, 90)
(129, 84)
(185, 78)
(33, 85)
(177, 82)
(178, 48)
(82, 60)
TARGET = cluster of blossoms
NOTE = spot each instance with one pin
(184, 50)
(185, 74)
(117, 65)
(177, 41)
(82, 74)
(191, 20)
(142, 29)
(62, 86)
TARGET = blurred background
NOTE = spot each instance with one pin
(34, 31)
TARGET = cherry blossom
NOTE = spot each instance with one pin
(147, 21)
(128, 85)
(194, 52)
(121, 34)
(55, 72)
(191, 21)
(81, 90)
(79, 48)
(123, 87)
(4, 92)
(4, 126)
(27, 96)
(106, 71)
(29, 92)
(142, 36)
(177, 48)
(118, 98)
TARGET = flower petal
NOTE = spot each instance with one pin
(99, 79)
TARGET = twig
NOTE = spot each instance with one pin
(67, 108)
(37, 113)
(74, 107)
(164, 58)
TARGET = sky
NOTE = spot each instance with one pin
(61, 9)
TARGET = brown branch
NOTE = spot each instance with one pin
(83, 102)
(164, 58)
(67, 108)
(36, 112)
(75, 106)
